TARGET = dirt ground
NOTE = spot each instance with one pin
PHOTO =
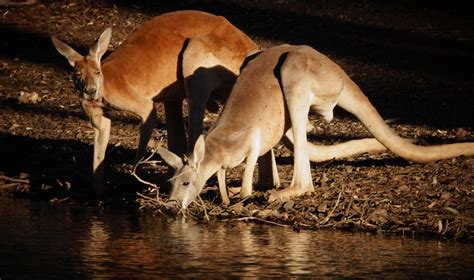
(413, 60)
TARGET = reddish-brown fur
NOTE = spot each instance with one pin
(185, 54)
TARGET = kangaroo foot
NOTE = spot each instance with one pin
(244, 193)
(287, 193)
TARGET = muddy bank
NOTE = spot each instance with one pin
(413, 61)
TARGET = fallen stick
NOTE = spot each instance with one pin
(15, 180)
(334, 208)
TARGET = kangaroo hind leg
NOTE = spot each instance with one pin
(250, 163)
(298, 97)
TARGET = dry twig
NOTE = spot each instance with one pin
(204, 208)
(8, 186)
(134, 173)
(14, 180)
(334, 208)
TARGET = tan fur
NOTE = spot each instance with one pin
(273, 93)
(173, 56)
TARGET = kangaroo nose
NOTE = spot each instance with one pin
(172, 204)
(91, 90)
(91, 93)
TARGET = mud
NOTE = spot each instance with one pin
(413, 60)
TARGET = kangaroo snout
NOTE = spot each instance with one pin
(178, 203)
(172, 203)
(90, 92)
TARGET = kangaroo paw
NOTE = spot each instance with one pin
(286, 194)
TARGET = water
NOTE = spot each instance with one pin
(38, 240)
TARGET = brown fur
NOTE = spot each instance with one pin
(158, 62)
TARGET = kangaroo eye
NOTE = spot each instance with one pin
(97, 73)
(185, 183)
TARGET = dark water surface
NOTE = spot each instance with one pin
(38, 240)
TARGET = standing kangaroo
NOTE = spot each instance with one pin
(185, 54)
(274, 93)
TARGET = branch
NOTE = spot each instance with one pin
(334, 208)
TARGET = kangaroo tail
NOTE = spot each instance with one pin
(354, 101)
(320, 153)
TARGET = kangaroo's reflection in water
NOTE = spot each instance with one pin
(38, 240)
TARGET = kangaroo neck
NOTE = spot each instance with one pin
(209, 166)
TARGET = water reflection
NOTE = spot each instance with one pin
(38, 241)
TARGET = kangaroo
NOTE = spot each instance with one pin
(274, 93)
(185, 54)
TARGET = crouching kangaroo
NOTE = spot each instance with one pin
(185, 54)
(274, 93)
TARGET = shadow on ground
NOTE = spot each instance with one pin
(400, 49)
(434, 86)
(61, 168)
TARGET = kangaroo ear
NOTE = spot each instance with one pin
(170, 158)
(65, 50)
(100, 46)
(198, 152)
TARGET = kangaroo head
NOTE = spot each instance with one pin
(187, 181)
(88, 77)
